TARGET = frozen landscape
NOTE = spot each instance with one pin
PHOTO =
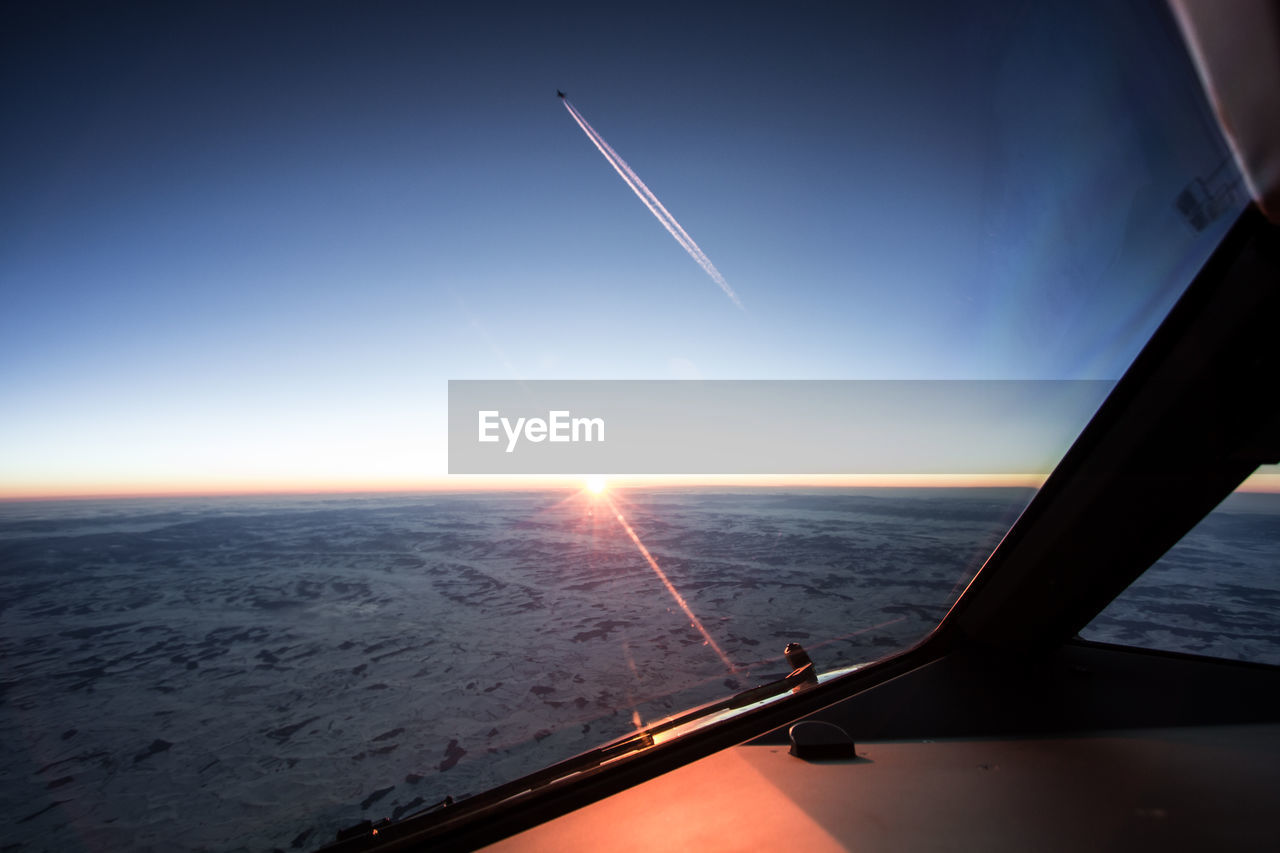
(1215, 593)
(254, 673)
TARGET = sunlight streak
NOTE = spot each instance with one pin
(662, 576)
(635, 673)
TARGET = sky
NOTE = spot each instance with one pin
(246, 245)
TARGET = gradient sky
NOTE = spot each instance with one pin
(248, 244)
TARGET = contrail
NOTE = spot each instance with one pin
(651, 201)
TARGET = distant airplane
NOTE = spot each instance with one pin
(559, 94)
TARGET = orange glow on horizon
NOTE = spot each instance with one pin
(1266, 482)
(208, 487)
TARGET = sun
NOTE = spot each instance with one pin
(596, 485)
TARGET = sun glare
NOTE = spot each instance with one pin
(596, 485)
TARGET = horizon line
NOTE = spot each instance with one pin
(1265, 482)
(474, 483)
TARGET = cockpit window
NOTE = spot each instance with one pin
(1215, 593)
(244, 249)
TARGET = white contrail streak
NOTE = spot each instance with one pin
(651, 201)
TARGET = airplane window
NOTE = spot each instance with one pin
(1216, 592)
(245, 247)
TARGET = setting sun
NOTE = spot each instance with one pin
(596, 485)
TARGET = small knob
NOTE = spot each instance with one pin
(803, 673)
(796, 655)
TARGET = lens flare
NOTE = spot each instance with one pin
(694, 621)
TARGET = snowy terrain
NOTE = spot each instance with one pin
(1215, 593)
(249, 674)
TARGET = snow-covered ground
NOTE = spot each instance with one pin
(1215, 593)
(255, 673)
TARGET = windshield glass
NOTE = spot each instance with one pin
(245, 248)
(1216, 592)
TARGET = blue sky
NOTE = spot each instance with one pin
(249, 244)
